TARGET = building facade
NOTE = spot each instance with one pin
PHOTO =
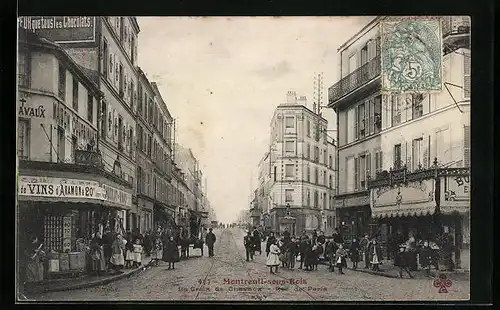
(301, 173)
(65, 191)
(383, 133)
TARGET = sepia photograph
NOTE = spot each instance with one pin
(256, 159)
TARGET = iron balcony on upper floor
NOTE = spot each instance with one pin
(356, 80)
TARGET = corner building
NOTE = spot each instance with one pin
(399, 155)
(302, 174)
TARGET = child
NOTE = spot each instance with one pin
(273, 257)
(129, 253)
(401, 261)
(137, 253)
(157, 251)
(340, 258)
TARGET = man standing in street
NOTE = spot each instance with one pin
(364, 244)
(248, 242)
(210, 240)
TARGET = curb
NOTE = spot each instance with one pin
(91, 284)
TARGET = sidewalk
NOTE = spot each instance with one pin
(85, 281)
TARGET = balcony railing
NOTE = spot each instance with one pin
(91, 158)
(455, 25)
(354, 80)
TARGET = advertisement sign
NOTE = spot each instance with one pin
(61, 29)
(117, 196)
(58, 187)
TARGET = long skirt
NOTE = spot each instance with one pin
(129, 256)
(273, 260)
(34, 271)
(138, 257)
(375, 260)
(156, 254)
(117, 259)
(98, 264)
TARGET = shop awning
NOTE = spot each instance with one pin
(72, 200)
(402, 211)
(454, 208)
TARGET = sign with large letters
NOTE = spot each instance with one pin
(61, 29)
(72, 188)
(455, 194)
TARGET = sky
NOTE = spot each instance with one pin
(222, 78)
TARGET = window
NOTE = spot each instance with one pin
(416, 156)
(325, 202)
(24, 67)
(467, 75)
(352, 63)
(289, 146)
(121, 81)
(330, 182)
(132, 94)
(417, 106)
(105, 52)
(396, 110)
(316, 154)
(104, 120)
(308, 151)
(316, 176)
(289, 122)
(350, 174)
(289, 170)
(132, 49)
(122, 28)
(288, 195)
(139, 96)
(364, 54)
(361, 120)
(316, 199)
(351, 125)
(74, 145)
(324, 178)
(61, 92)
(308, 198)
(120, 133)
(325, 157)
(330, 161)
(75, 94)
(378, 161)
(275, 171)
(397, 156)
(90, 108)
(308, 174)
(308, 128)
(466, 146)
(364, 167)
(377, 114)
(23, 141)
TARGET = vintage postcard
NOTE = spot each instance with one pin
(243, 158)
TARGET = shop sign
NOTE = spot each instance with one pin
(456, 188)
(59, 187)
(117, 196)
(66, 233)
(61, 29)
(28, 111)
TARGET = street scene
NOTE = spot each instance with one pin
(223, 278)
(243, 158)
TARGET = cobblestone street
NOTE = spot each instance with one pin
(203, 278)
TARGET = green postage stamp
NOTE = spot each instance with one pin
(411, 55)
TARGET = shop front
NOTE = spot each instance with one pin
(145, 213)
(164, 217)
(353, 215)
(64, 210)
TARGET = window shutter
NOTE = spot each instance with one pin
(356, 123)
(466, 146)
(380, 161)
(427, 148)
(371, 115)
(368, 166)
(408, 154)
(404, 153)
(356, 172)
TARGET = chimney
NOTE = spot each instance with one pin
(291, 97)
(302, 101)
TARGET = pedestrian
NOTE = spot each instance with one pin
(314, 236)
(308, 255)
(257, 242)
(321, 238)
(286, 235)
(210, 240)
(202, 235)
(340, 260)
(138, 249)
(364, 245)
(117, 257)
(273, 258)
(249, 244)
(270, 240)
(330, 252)
(411, 250)
(157, 251)
(283, 259)
(426, 257)
(107, 239)
(400, 260)
(337, 237)
(34, 257)
(170, 252)
(129, 251)
(354, 250)
(292, 251)
(148, 244)
(98, 264)
(316, 252)
(375, 255)
(302, 250)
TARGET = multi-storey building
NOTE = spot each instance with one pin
(385, 136)
(106, 48)
(65, 191)
(300, 170)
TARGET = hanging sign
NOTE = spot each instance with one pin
(117, 196)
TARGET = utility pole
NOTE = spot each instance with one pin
(317, 92)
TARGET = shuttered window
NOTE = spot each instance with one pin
(467, 146)
(368, 165)
(467, 74)
(356, 113)
(356, 173)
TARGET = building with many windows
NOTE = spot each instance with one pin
(385, 138)
(65, 191)
(301, 171)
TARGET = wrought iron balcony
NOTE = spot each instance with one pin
(86, 157)
(452, 25)
(354, 80)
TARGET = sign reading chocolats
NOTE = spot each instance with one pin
(61, 29)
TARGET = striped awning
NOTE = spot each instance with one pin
(395, 211)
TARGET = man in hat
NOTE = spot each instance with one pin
(210, 241)
(248, 242)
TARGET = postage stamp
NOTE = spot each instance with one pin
(411, 55)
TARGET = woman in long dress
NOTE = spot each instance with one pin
(340, 260)
(34, 262)
(170, 252)
(376, 255)
(118, 248)
(273, 257)
(156, 253)
(97, 254)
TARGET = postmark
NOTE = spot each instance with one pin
(443, 283)
(411, 56)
